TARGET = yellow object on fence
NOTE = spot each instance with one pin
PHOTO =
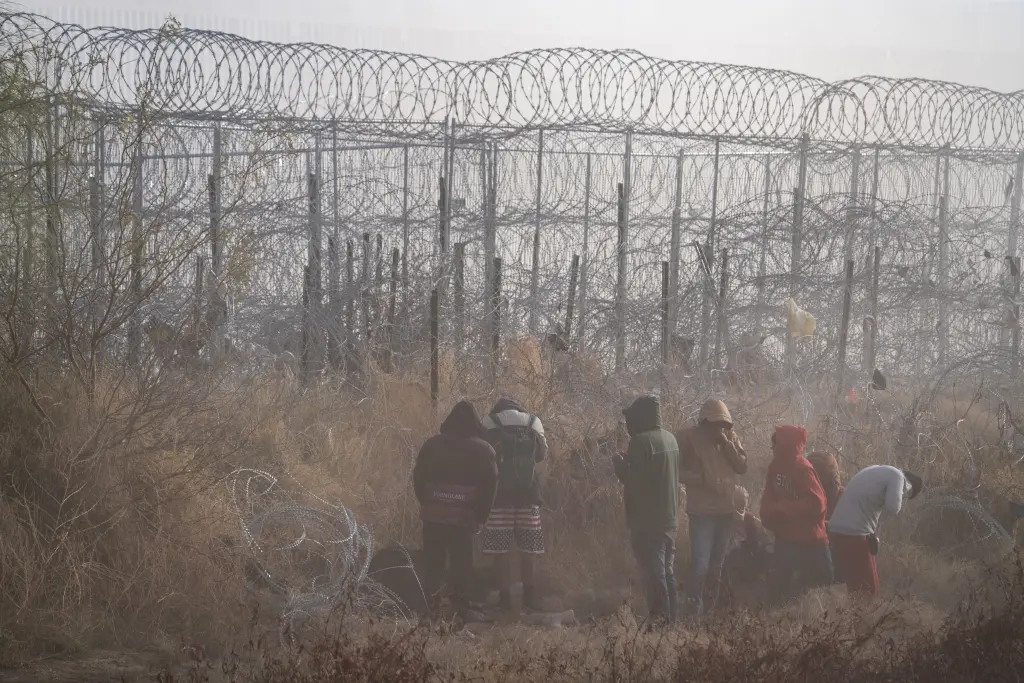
(800, 322)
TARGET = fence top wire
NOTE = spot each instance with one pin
(208, 75)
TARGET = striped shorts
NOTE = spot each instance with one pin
(521, 525)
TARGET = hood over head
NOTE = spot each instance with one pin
(507, 403)
(714, 410)
(827, 468)
(788, 441)
(462, 421)
(643, 415)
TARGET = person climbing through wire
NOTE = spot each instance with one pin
(455, 478)
(518, 439)
(793, 508)
(649, 473)
(853, 526)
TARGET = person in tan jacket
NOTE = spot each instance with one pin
(710, 459)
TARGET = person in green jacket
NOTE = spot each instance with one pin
(650, 478)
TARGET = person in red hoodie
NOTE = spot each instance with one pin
(793, 507)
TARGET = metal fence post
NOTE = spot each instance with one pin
(1012, 271)
(620, 335)
(843, 328)
(535, 264)
(942, 276)
(709, 286)
(135, 273)
(722, 331)
(496, 319)
(674, 249)
(762, 258)
(799, 200)
(585, 264)
(570, 304)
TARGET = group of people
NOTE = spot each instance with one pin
(480, 475)
(822, 531)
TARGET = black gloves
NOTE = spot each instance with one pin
(873, 544)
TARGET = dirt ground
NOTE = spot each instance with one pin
(93, 667)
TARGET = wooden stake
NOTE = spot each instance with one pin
(434, 357)
(843, 329)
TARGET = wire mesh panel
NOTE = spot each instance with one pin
(278, 181)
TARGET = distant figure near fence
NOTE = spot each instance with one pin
(854, 523)
(455, 478)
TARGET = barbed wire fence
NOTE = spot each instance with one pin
(212, 195)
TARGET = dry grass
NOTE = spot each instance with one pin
(113, 516)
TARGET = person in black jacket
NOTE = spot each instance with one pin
(455, 478)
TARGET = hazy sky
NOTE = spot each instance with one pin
(978, 42)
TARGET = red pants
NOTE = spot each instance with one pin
(854, 561)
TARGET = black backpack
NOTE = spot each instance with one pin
(517, 448)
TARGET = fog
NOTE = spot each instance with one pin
(976, 42)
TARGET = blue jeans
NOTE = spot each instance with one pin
(709, 541)
(655, 552)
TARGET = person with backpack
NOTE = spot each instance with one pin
(649, 473)
(518, 439)
(455, 478)
(710, 459)
(793, 508)
(853, 526)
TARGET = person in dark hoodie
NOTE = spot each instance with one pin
(793, 507)
(518, 439)
(455, 479)
(649, 473)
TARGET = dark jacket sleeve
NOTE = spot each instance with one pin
(420, 471)
(488, 482)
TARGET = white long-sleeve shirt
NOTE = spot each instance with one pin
(873, 489)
